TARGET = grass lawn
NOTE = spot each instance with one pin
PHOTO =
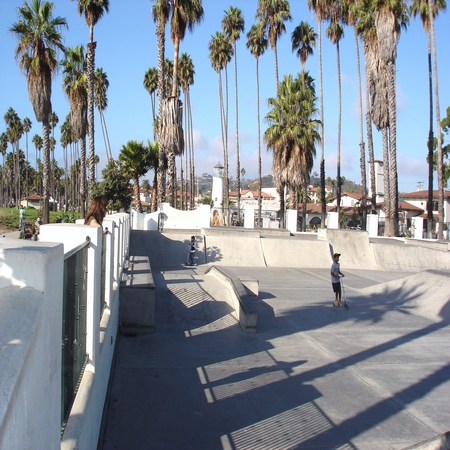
(9, 217)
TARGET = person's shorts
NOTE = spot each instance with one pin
(336, 288)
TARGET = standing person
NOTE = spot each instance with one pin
(37, 228)
(191, 254)
(336, 276)
(21, 217)
(96, 212)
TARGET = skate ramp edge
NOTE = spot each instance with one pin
(243, 300)
(425, 294)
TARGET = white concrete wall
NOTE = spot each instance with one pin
(31, 284)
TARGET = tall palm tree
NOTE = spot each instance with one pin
(14, 132)
(75, 85)
(389, 18)
(38, 144)
(233, 25)
(3, 148)
(101, 85)
(93, 11)
(160, 13)
(303, 40)
(257, 44)
(273, 14)
(421, 8)
(53, 121)
(151, 86)
(292, 133)
(440, 162)
(135, 160)
(26, 128)
(186, 76)
(39, 38)
(320, 8)
(185, 14)
(220, 54)
(335, 32)
(350, 16)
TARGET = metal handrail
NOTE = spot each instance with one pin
(77, 248)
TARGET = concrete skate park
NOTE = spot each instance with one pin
(308, 376)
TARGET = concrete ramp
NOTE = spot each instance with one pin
(425, 294)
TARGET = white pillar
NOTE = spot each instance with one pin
(291, 220)
(372, 225)
(417, 227)
(333, 221)
(249, 218)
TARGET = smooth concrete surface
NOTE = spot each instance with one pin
(313, 377)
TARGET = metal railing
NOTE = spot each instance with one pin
(74, 355)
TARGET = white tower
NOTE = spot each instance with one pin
(217, 187)
(379, 181)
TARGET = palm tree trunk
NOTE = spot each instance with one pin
(440, 162)
(90, 71)
(430, 143)
(46, 174)
(393, 175)
(362, 150)
(322, 128)
(83, 193)
(339, 184)
(137, 197)
(238, 165)
(259, 146)
(161, 175)
(388, 229)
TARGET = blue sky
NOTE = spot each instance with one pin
(126, 48)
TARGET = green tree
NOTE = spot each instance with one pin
(135, 161)
(115, 187)
(39, 38)
(257, 44)
(292, 133)
(233, 25)
(93, 11)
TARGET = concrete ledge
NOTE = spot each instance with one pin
(137, 297)
(243, 299)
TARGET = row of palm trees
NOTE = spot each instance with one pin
(40, 38)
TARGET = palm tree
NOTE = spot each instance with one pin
(186, 74)
(292, 133)
(421, 8)
(257, 44)
(220, 54)
(53, 121)
(335, 32)
(3, 148)
(39, 39)
(135, 160)
(26, 128)
(389, 18)
(320, 7)
(185, 14)
(272, 14)
(160, 13)
(303, 40)
(14, 132)
(233, 26)
(75, 85)
(350, 16)
(440, 162)
(101, 85)
(151, 85)
(38, 144)
(93, 11)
